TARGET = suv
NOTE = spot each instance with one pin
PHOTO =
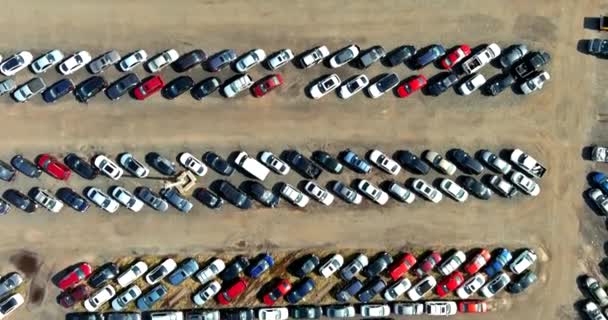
(498, 84)
(303, 165)
(233, 195)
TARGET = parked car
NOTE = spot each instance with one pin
(593, 311)
(10, 282)
(494, 162)
(422, 288)
(293, 195)
(472, 285)
(314, 57)
(267, 84)
(273, 313)
(501, 258)
(535, 82)
(476, 188)
(102, 200)
(191, 163)
(150, 298)
(428, 264)
(429, 55)
(134, 272)
(455, 56)
(523, 282)
(104, 61)
(5, 207)
(73, 199)
(410, 161)
(372, 288)
(384, 162)
(29, 89)
(162, 60)
(472, 84)
(383, 85)
(103, 274)
(132, 60)
(279, 59)
(19, 200)
(74, 62)
(16, 63)
(233, 195)
(478, 261)
(235, 268)
(26, 166)
(324, 85)
(57, 90)
(278, 291)
(370, 56)
(319, 193)
(211, 271)
(77, 274)
(185, 270)
(46, 61)
(229, 294)
(452, 263)
(347, 194)
(107, 166)
(495, 285)
(372, 192)
(379, 264)
(402, 266)
(449, 283)
(257, 191)
(207, 293)
(205, 87)
(481, 59)
(303, 165)
(354, 266)
(349, 290)
(260, 266)
(209, 198)
(524, 183)
(356, 164)
(203, 315)
(189, 60)
(353, 86)
(10, 304)
(333, 264)
(249, 60)
(305, 265)
(426, 190)
(339, 311)
(178, 201)
(148, 87)
(238, 314)
(220, 60)
(7, 85)
(408, 308)
(344, 55)
(499, 83)
(523, 261)
(69, 298)
(156, 274)
(305, 312)
(398, 288)
(161, 164)
(400, 55)
(502, 186)
(513, 54)
(274, 163)
(375, 310)
(122, 300)
(445, 82)
(442, 165)
(152, 199)
(453, 190)
(89, 88)
(530, 64)
(414, 84)
(598, 293)
(44, 198)
(99, 298)
(218, 163)
(133, 165)
(440, 308)
(177, 87)
(237, 85)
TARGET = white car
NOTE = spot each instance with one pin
(593, 311)
(599, 154)
(133, 60)
(375, 310)
(601, 201)
(527, 163)
(422, 288)
(495, 285)
(74, 63)
(314, 57)
(494, 162)
(383, 162)
(332, 265)
(442, 165)
(280, 59)
(127, 199)
(273, 314)
(453, 190)
(160, 271)
(29, 89)
(383, 85)
(99, 297)
(471, 285)
(452, 263)
(479, 60)
(398, 288)
(343, 56)
(102, 200)
(162, 60)
(133, 273)
(47, 200)
(597, 291)
(426, 190)
(122, 300)
(523, 261)
(526, 184)
(472, 84)
(353, 86)
(108, 167)
(274, 163)
(10, 304)
(193, 164)
(371, 191)
(206, 293)
(211, 271)
(535, 83)
(400, 193)
(133, 165)
(240, 84)
(249, 60)
(16, 63)
(440, 308)
(324, 86)
(408, 308)
(46, 61)
(319, 193)
(294, 195)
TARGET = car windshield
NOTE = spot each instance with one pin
(328, 84)
(138, 57)
(424, 287)
(386, 83)
(353, 86)
(78, 59)
(13, 63)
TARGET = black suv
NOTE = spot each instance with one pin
(89, 88)
(302, 164)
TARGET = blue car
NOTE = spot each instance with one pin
(500, 261)
(600, 180)
(187, 268)
(57, 90)
(354, 162)
(147, 301)
(301, 289)
(262, 265)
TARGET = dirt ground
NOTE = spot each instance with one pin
(552, 125)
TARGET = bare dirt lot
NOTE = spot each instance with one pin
(552, 125)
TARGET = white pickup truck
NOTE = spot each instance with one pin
(527, 163)
(478, 61)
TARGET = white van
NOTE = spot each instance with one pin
(252, 166)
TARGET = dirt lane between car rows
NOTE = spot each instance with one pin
(552, 125)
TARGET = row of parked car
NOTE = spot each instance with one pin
(10, 300)
(599, 300)
(483, 269)
(260, 168)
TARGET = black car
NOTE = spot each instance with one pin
(121, 86)
(19, 200)
(400, 55)
(328, 162)
(4, 207)
(121, 316)
(305, 265)
(103, 274)
(465, 162)
(73, 199)
(177, 86)
(189, 60)
(447, 81)
(161, 164)
(57, 90)
(233, 195)
(522, 283)
(238, 314)
(382, 261)
(84, 316)
(300, 290)
(500, 83)
(218, 163)
(26, 166)
(234, 268)
(302, 165)
(305, 312)
(373, 286)
(475, 187)
(349, 290)
(205, 87)
(209, 198)
(7, 173)
(257, 191)
(412, 162)
(80, 166)
(89, 88)
(370, 56)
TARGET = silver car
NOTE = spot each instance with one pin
(494, 162)
(408, 308)
(7, 86)
(10, 282)
(104, 61)
(340, 311)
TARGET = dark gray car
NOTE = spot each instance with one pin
(175, 199)
(500, 83)
(152, 199)
(104, 61)
(382, 261)
(121, 86)
(161, 164)
(220, 60)
(441, 86)
(26, 166)
(257, 191)
(7, 173)
(512, 55)
(345, 193)
(400, 55)
(370, 56)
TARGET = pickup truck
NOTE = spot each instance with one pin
(479, 60)
(527, 163)
(531, 63)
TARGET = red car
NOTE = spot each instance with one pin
(455, 56)
(53, 167)
(472, 306)
(411, 86)
(478, 261)
(267, 84)
(79, 273)
(280, 290)
(449, 283)
(428, 263)
(402, 266)
(226, 296)
(148, 87)
(69, 299)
